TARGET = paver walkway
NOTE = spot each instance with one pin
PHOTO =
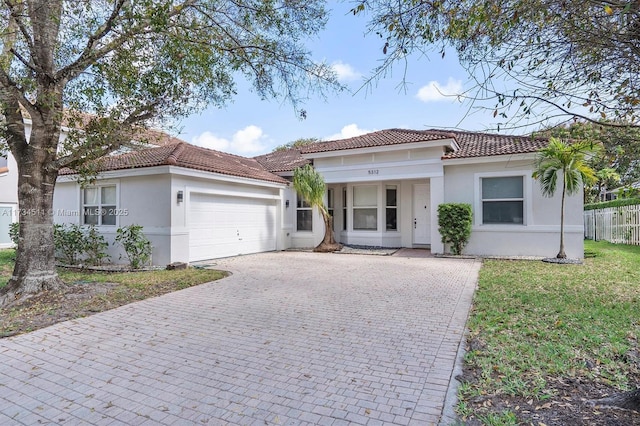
(290, 338)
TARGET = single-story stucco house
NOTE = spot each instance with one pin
(383, 190)
(9, 175)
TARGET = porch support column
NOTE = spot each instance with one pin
(437, 198)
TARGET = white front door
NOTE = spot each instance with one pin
(421, 217)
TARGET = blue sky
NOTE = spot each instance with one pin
(249, 126)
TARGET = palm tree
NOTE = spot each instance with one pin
(567, 162)
(310, 185)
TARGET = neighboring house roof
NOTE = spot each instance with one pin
(189, 156)
(282, 161)
(143, 134)
(471, 144)
(379, 138)
(157, 137)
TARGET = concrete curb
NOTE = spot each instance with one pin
(449, 416)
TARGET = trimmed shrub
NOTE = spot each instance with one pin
(95, 247)
(454, 224)
(135, 244)
(69, 242)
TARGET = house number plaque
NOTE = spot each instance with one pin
(374, 171)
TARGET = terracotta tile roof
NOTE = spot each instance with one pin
(474, 144)
(471, 144)
(156, 137)
(379, 138)
(182, 154)
(282, 161)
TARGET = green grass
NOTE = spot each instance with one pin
(534, 320)
(133, 281)
(88, 293)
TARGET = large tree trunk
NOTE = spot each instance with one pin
(328, 243)
(34, 270)
(36, 156)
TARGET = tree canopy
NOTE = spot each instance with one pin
(105, 69)
(537, 59)
(148, 61)
(298, 143)
(620, 146)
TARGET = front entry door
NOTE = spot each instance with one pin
(421, 215)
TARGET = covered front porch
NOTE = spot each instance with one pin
(387, 213)
(380, 195)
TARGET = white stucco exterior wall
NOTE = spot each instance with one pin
(9, 182)
(539, 235)
(8, 199)
(141, 200)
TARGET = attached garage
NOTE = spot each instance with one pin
(223, 226)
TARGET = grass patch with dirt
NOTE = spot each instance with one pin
(86, 293)
(545, 339)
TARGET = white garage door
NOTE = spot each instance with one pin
(222, 226)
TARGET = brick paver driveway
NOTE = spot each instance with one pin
(289, 338)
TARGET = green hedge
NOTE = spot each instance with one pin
(454, 224)
(614, 203)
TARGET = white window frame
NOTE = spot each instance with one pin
(331, 201)
(388, 207)
(303, 205)
(345, 210)
(13, 219)
(527, 192)
(100, 204)
(367, 207)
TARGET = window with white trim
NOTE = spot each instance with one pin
(304, 215)
(365, 208)
(99, 205)
(502, 200)
(330, 201)
(391, 209)
(344, 208)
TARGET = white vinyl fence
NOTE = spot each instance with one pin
(619, 225)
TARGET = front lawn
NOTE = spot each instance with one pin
(87, 293)
(546, 338)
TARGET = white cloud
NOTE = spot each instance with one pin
(434, 91)
(348, 131)
(249, 140)
(211, 141)
(345, 72)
